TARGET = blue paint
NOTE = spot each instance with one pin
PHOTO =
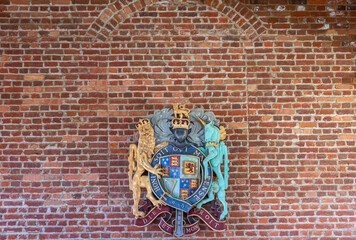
(196, 195)
(179, 224)
(217, 155)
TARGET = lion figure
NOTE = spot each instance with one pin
(142, 153)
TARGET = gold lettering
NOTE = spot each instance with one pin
(197, 153)
(155, 184)
(164, 197)
(191, 229)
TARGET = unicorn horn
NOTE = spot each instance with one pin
(202, 122)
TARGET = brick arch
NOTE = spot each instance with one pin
(120, 10)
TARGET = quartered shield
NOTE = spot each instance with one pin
(184, 182)
(182, 175)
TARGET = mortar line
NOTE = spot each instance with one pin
(248, 131)
(108, 127)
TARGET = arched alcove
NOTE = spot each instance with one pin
(176, 52)
(120, 10)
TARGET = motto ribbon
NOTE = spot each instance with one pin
(204, 215)
(152, 215)
(163, 224)
(188, 229)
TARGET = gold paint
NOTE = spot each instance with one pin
(174, 161)
(180, 111)
(160, 146)
(222, 133)
(163, 196)
(189, 168)
(193, 183)
(165, 186)
(181, 116)
(202, 122)
(184, 193)
(142, 153)
(212, 144)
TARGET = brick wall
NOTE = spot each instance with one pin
(76, 75)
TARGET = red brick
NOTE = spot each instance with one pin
(72, 138)
(32, 177)
(308, 125)
(75, 77)
(34, 77)
(348, 137)
(72, 177)
(345, 99)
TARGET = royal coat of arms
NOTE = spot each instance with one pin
(187, 166)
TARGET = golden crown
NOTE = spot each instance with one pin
(180, 123)
(142, 122)
(181, 114)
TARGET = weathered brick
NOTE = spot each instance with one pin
(348, 137)
(75, 77)
(34, 77)
(32, 177)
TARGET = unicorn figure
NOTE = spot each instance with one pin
(217, 153)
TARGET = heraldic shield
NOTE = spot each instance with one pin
(184, 182)
(181, 175)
